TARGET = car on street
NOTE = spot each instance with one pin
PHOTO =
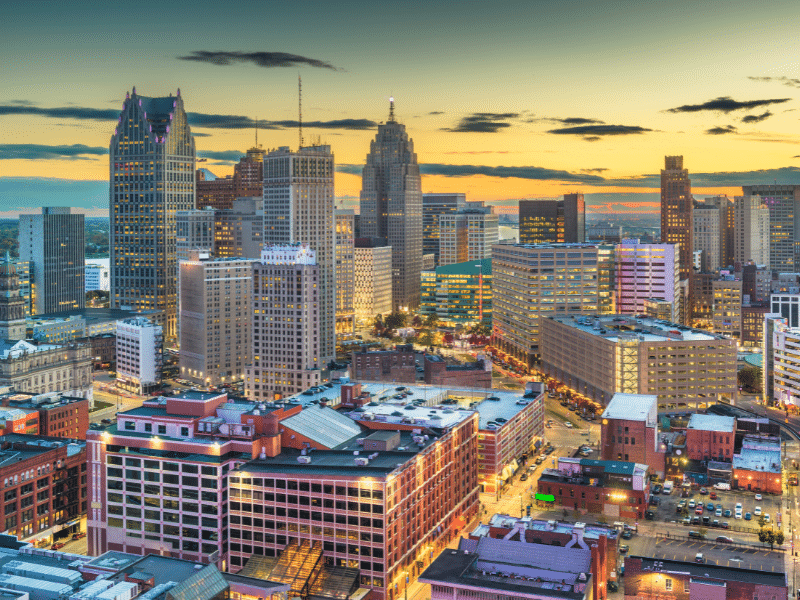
(699, 509)
(692, 503)
(524, 477)
(649, 515)
(758, 497)
(568, 425)
(696, 535)
(747, 516)
(699, 558)
(657, 489)
(57, 546)
(623, 548)
(757, 511)
(703, 491)
(627, 534)
(724, 539)
(687, 521)
(79, 535)
(707, 521)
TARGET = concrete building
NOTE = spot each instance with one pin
(216, 319)
(434, 206)
(97, 275)
(611, 488)
(396, 366)
(552, 220)
(476, 374)
(237, 232)
(756, 283)
(12, 302)
(787, 306)
(467, 235)
(682, 580)
(391, 206)
(752, 230)
(726, 318)
(68, 326)
(676, 217)
(53, 244)
(384, 513)
(783, 202)
(602, 356)
(152, 164)
(286, 351)
(629, 431)
(194, 232)
(58, 415)
(298, 209)
(372, 280)
(645, 271)
(345, 274)
(140, 346)
(44, 485)
(23, 271)
(785, 360)
(459, 294)
(533, 281)
(706, 235)
(710, 437)
(428, 262)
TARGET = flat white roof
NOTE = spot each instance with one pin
(718, 423)
(631, 407)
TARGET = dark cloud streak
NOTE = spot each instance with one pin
(756, 118)
(592, 133)
(483, 123)
(721, 130)
(787, 81)
(267, 60)
(44, 152)
(725, 104)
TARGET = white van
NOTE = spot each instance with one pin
(668, 486)
(722, 485)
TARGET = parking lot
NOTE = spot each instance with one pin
(723, 555)
(770, 504)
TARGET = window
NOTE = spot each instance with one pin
(668, 584)
(162, 429)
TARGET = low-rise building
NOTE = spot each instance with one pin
(753, 324)
(651, 578)
(758, 465)
(396, 365)
(15, 420)
(31, 366)
(96, 276)
(104, 349)
(710, 437)
(629, 431)
(470, 374)
(610, 488)
(57, 415)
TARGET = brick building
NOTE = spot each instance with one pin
(664, 579)
(477, 374)
(104, 349)
(629, 431)
(385, 365)
(611, 488)
(58, 415)
(710, 437)
(14, 420)
(757, 467)
(44, 485)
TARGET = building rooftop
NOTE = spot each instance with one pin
(409, 414)
(16, 447)
(759, 454)
(590, 532)
(323, 425)
(631, 407)
(712, 571)
(645, 328)
(470, 267)
(92, 315)
(18, 348)
(717, 423)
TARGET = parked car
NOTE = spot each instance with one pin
(627, 534)
(710, 507)
(699, 558)
(766, 517)
(747, 516)
(759, 497)
(699, 509)
(726, 512)
(524, 477)
(692, 503)
(757, 511)
(724, 539)
(649, 515)
(79, 535)
(718, 512)
(657, 488)
(623, 548)
(722, 486)
(57, 546)
(713, 495)
(703, 491)
(696, 535)
(687, 521)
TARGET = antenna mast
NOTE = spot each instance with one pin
(300, 109)
(256, 132)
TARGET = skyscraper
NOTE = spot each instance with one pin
(12, 303)
(552, 220)
(298, 208)
(784, 224)
(643, 272)
(152, 161)
(752, 230)
(345, 311)
(391, 206)
(467, 235)
(676, 217)
(53, 244)
(433, 206)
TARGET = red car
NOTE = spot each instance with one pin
(699, 509)
(57, 546)
(713, 496)
(79, 535)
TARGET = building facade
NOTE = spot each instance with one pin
(710, 437)
(391, 206)
(552, 220)
(706, 235)
(237, 232)
(345, 274)
(752, 230)
(58, 415)
(396, 365)
(298, 208)
(216, 319)
(152, 164)
(460, 293)
(286, 339)
(467, 235)
(677, 215)
(629, 431)
(726, 318)
(53, 244)
(97, 277)
(433, 206)
(783, 202)
(787, 306)
(140, 348)
(12, 302)
(785, 362)
(372, 280)
(643, 272)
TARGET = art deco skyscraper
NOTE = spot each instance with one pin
(391, 206)
(676, 216)
(152, 162)
(298, 208)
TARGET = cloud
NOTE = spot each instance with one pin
(22, 102)
(44, 152)
(577, 121)
(224, 155)
(721, 130)
(66, 112)
(477, 152)
(267, 60)
(436, 112)
(592, 133)
(726, 104)
(595, 170)
(201, 134)
(788, 81)
(483, 123)
(756, 118)
(533, 173)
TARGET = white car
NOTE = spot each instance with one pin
(758, 497)
(757, 511)
(766, 517)
(568, 425)
(739, 506)
(738, 513)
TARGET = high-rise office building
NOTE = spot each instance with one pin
(286, 355)
(216, 319)
(53, 244)
(391, 207)
(676, 218)
(345, 312)
(235, 232)
(460, 293)
(298, 208)
(152, 160)
(372, 280)
(12, 303)
(751, 231)
(552, 220)
(726, 317)
(783, 202)
(433, 206)
(644, 272)
(706, 235)
(467, 235)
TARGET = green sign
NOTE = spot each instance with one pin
(545, 497)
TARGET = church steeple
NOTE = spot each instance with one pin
(12, 303)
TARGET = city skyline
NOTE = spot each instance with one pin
(579, 97)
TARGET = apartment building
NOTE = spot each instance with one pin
(643, 272)
(467, 235)
(726, 318)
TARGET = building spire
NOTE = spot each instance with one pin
(256, 132)
(391, 109)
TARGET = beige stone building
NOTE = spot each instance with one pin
(216, 319)
(372, 281)
(726, 317)
(36, 368)
(286, 353)
(602, 356)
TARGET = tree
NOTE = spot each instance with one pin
(750, 378)
(396, 320)
(431, 321)
(702, 532)
(425, 338)
(779, 539)
(761, 521)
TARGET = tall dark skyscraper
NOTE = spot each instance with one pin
(152, 164)
(552, 220)
(784, 223)
(391, 207)
(677, 207)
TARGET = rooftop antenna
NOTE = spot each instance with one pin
(256, 132)
(391, 109)
(300, 109)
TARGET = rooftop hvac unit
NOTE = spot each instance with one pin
(361, 461)
(304, 459)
